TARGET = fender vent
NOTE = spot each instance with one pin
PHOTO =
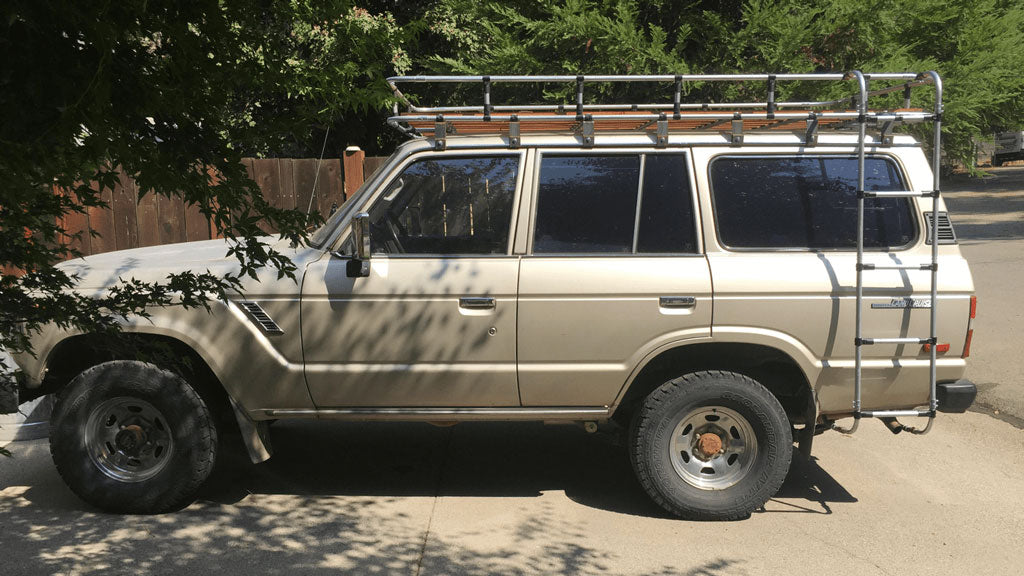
(946, 234)
(261, 317)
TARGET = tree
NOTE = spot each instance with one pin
(977, 47)
(171, 94)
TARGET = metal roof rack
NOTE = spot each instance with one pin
(658, 120)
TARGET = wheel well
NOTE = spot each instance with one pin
(774, 369)
(77, 353)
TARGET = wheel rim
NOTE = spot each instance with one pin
(713, 448)
(128, 439)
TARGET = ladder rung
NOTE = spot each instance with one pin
(871, 341)
(895, 413)
(931, 266)
(898, 194)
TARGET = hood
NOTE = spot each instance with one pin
(154, 263)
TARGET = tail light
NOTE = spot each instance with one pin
(970, 327)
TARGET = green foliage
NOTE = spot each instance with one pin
(171, 94)
(977, 47)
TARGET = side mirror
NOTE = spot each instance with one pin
(359, 265)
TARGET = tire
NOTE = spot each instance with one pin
(130, 437)
(996, 161)
(670, 445)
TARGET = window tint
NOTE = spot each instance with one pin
(446, 206)
(807, 202)
(586, 204)
(666, 207)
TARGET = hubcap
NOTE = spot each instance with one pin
(128, 439)
(712, 448)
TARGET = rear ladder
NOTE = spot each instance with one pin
(860, 341)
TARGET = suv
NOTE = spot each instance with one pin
(718, 295)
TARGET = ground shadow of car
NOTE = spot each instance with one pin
(471, 459)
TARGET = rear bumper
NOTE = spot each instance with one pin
(956, 396)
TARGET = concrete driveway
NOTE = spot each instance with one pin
(528, 499)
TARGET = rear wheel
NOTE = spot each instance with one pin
(711, 445)
(128, 436)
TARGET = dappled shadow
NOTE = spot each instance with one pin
(308, 513)
(359, 498)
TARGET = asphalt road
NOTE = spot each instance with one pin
(489, 498)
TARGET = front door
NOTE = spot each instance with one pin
(434, 324)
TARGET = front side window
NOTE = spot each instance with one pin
(594, 204)
(807, 203)
(447, 206)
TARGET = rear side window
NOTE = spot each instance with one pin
(807, 203)
(599, 205)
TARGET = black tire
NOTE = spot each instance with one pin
(181, 420)
(703, 395)
(996, 161)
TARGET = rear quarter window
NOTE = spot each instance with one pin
(807, 202)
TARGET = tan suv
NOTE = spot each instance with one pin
(719, 280)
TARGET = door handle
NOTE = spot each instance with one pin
(476, 303)
(677, 301)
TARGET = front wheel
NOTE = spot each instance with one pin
(128, 436)
(711, 445)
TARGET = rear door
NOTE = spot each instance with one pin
(613, 270)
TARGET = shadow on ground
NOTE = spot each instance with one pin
(357, 497)
(471, 459)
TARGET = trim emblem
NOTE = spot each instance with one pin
(904, 303)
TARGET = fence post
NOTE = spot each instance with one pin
(353, 165)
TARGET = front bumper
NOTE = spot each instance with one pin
(957, 396)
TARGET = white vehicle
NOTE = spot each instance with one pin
(720, 280)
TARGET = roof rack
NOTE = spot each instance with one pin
(658, 120)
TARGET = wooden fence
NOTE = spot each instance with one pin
(128, 222)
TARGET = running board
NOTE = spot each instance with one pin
(455, 414)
